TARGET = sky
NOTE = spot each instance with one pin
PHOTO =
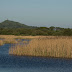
(46, 13)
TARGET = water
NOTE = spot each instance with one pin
(9, 63)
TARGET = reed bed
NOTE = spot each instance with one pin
(46, 47)
(18, 37)
(33, 37)
(1, 42)
(9, 40)
(25, 41)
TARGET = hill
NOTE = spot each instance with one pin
(13, 24)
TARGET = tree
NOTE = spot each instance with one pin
(67, 32)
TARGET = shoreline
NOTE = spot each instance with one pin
(41, 56)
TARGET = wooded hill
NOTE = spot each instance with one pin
(13, 24)
(15, 28)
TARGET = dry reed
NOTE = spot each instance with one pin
(18, 37)
(45, 46)
(9, 40)
(1, 42)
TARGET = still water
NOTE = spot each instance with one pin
(9, 63)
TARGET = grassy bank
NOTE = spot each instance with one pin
(49, 46)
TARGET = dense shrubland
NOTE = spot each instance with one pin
(51, 31)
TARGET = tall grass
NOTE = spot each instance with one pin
(45, 46)
(1, 42)
(9, 40)
(18, 37)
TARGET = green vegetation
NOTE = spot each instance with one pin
(14, 28)
(13, 24)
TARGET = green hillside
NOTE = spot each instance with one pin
(13, 24)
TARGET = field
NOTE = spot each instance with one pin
(45, 46)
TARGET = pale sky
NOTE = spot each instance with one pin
(38, 12)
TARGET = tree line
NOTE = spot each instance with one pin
(45, 31)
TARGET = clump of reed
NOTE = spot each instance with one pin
(1, 42)
(25, 41)
(49, 47)
(9, 40)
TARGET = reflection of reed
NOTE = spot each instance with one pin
(45, 46)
